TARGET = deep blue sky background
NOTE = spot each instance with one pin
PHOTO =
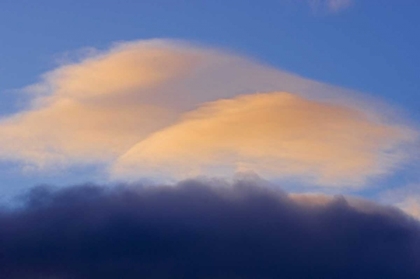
(371, 47)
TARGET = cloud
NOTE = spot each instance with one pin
(407, 198)
(201, 229)
(314, 200)
(107, 106)
(270, 134)
(323, 7)
(97, 108)
(331, 6)
(411, 205)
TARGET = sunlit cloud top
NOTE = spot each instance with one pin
(271, 134)
(168, 109)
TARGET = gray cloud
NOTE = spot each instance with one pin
(202, 230)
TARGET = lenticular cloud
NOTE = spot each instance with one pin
(168, 109)
(269, 134)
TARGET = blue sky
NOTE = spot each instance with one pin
(369, 46)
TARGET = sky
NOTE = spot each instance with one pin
(309, 105)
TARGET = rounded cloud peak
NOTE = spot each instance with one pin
(274, 134)
(164, 108)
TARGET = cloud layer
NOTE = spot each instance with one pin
(186, 110)
(269, 134)
(202, 230)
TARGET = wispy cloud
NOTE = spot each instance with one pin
(189, 110)
(330, 6)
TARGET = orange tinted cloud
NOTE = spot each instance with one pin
(173, 109)
(407, 198)
(275, 135)
(359, 204)
(94, 110)
(411, 205)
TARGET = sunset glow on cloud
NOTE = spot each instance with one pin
(273, 134)
(166, 109)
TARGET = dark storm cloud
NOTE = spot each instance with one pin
(199, 230)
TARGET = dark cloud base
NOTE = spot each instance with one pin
(198, 230)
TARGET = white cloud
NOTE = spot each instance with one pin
(331, 6)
